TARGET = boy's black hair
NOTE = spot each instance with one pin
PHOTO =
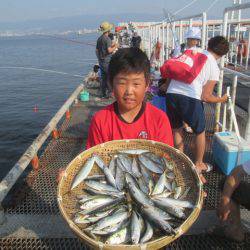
(129, 60)
(96, 68)
(219, 45)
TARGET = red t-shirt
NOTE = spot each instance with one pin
(151, 123)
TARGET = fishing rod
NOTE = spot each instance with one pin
(68, 40)
(39, 69)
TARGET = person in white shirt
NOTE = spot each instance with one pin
(185, 101)
(235, 192)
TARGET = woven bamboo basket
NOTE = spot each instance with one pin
(186, 177)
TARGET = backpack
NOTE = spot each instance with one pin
(184, 68)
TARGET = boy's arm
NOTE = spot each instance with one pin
(165, 134)
(232, 182)
(94, 135)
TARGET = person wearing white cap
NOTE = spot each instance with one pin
(192, 37)
(104, 50)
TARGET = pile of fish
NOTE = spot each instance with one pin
(135, 199)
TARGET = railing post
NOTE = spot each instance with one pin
(233, 96)
(203, 35)
(248, 44)
(222, 62)
(224, 121)
(163, 42)
(247, 132)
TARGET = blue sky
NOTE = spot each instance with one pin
(20, 10)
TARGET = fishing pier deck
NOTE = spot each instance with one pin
(30, 215)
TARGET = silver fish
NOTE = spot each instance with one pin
(110, 178)
(143, 185)
(101, 186)
(135, 228)
(135, 169)
(125, 163)
(111, 229)
(133, 151)
(99, 161)
(164, 194)
(112, 165)
(136, 193)
(121, 236)
(153, 157)
(148, 234)
(102, 192)
(150, 165)
(84, 172)
(177, 192)
(168, 186)
(146, 174)
(141, 223)
(96, 177)
(111, 220)
(119, 178)
(170, 208)
(97, 201)
(170, 175)
(104, 206)
(158, 217)
(160, 185)
(178, 203)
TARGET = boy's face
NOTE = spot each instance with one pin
(129, 90)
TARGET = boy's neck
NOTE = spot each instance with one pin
(129, 115)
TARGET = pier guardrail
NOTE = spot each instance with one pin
(222, 61)
(30, 155)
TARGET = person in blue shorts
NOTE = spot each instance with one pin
(185, 101)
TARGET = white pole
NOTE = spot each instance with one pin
(163, 42)
(167, 42)
(247, 132)
(248, 44)
(180, 32)
(222, 62)
(233, 96)
(224, 122)
(204, 31)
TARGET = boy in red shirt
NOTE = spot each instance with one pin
(129, 117)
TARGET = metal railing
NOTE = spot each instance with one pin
(30, 155)
(222, 61)
(227, 122)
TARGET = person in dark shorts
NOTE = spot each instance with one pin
(235, 192)
(184, 101)
(104, 50)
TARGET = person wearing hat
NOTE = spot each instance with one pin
(193, 37)
(104, 50)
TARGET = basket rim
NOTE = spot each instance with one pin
(181, 230)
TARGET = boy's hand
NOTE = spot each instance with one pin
(224, 208)
(60, 174)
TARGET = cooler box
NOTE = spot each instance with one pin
(159, 102)
(225, 151)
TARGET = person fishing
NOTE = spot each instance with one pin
(104, 50)
(185, 99)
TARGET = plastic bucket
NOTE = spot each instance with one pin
(84, 96)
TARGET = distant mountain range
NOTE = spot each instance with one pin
(74, 22)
